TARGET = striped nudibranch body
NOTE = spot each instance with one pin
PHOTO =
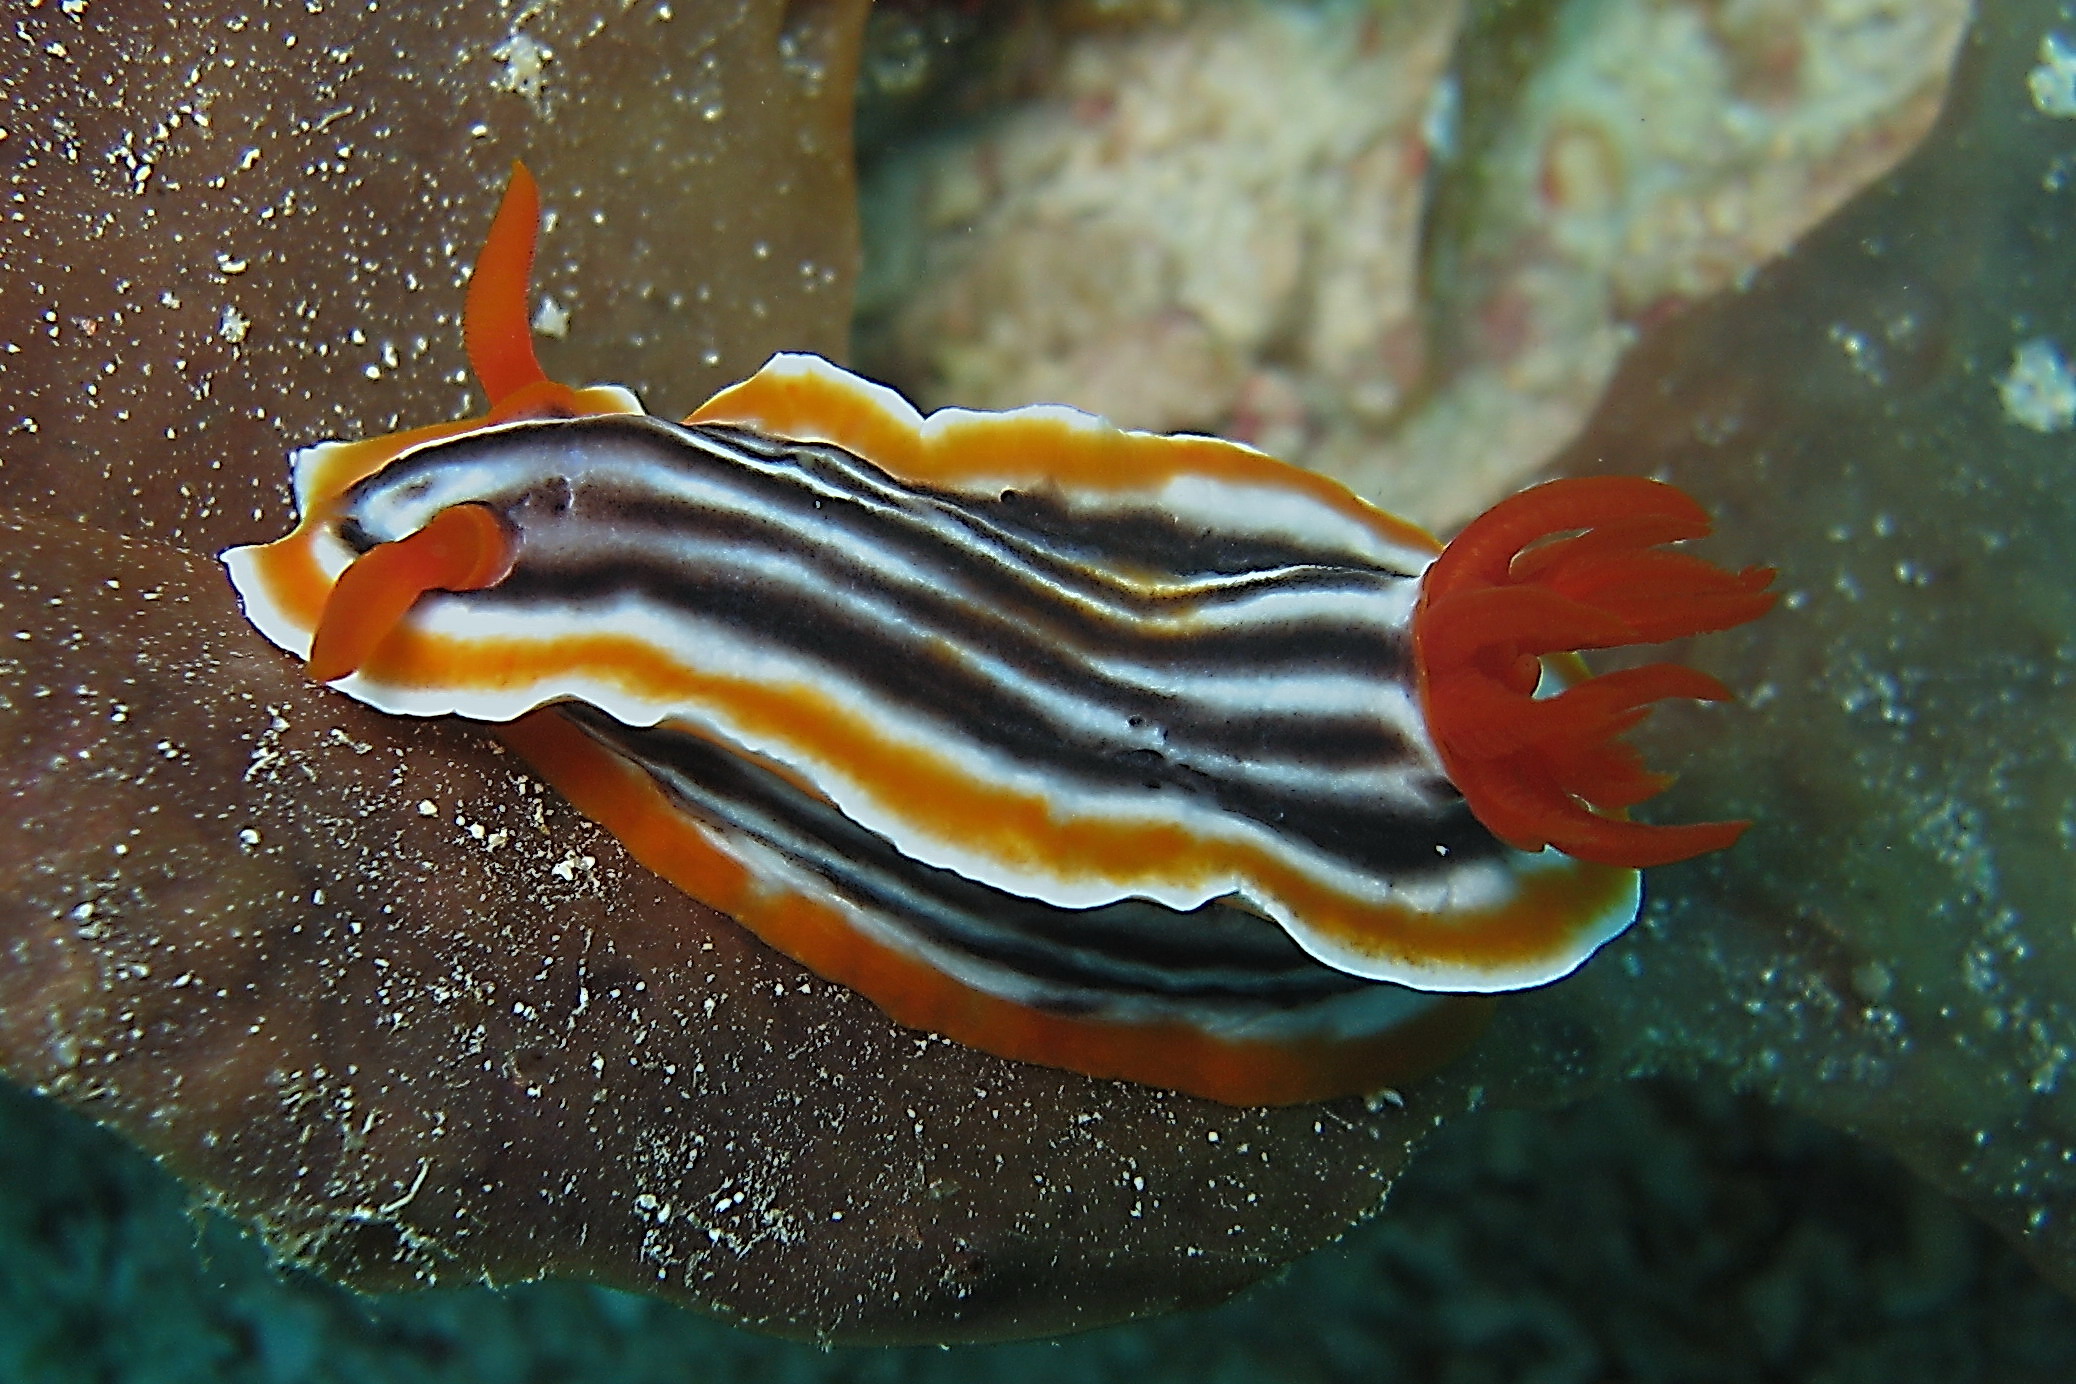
(1095, 748)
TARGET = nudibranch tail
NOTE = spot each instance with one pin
(1512, 588)
(465, 548)
(496, 327)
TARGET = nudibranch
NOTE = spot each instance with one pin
(1149, 757)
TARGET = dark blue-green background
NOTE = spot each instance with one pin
(1656, 1233)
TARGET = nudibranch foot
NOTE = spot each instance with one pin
(1215, 1001)
(1513, 589)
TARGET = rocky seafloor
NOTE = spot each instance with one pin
(1658, 1234)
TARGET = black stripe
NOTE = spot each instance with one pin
(973, 590)
(1366, 831)
(1050, 523)
(1079, 551)
(992, 597)
(890, 654)
(1212, 956)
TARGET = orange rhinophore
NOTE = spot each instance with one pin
(496, 329)
(1149, 757)
(463, 548)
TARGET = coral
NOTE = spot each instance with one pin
(1317, 228)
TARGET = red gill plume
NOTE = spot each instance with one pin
(1569, 565)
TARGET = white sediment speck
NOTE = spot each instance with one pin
(1442, 119)
(2053, 80)
(551, 319)
(525, 60)
(2038, 391)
